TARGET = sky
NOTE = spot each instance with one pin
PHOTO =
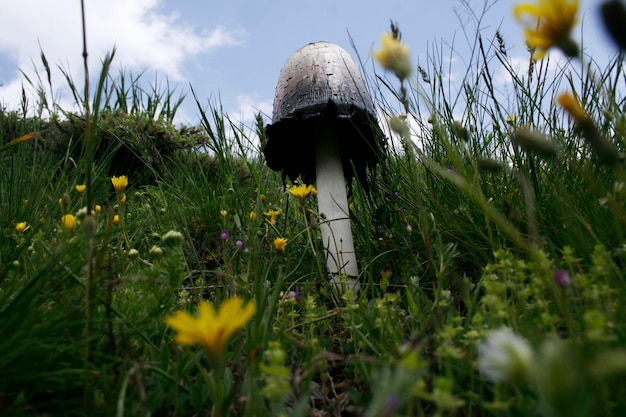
(231, 51)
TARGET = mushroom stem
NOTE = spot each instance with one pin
(334, 212)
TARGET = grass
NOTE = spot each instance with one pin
(457, 237)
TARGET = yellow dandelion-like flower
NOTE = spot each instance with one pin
(572, 106)
(209, 328)
(116, 219)
(302, 191)
(81, 188)
(21, 227)
(98, 208)
(548, 24)
(69, 222)
(279, 244)
(253, 215)
(394, 56)
(119, 183)
(272, 214)
(223, 213)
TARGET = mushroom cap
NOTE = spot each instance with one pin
(320, 83)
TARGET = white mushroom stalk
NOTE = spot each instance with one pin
(332, 201)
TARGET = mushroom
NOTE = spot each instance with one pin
(323, 129)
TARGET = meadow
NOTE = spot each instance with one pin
(148, 268)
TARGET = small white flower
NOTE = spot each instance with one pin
(504, 356)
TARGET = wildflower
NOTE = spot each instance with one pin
(133, 253)
(209, 329)
(279, 244)
(98, 208)
(224, 234)
(295, 295)
(241, 245)
(82, 212)
(562, 278)
(155, 252)
(21, 227)
(605, 150)
(272, 214)
(572, 107)
(302, 191)
(69, 222)
(223, 213)
(504, 355)
(394, 56)
(172, 238)
(116, 219)
(81, 188)
(253, 215)
(511, 119)
(548, 24)
(119, 183)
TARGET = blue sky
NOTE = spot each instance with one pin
(232, 51)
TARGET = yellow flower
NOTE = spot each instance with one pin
(548, 23)
(302, 191)
(81, 188)
(272, 214)
(98, 208)
(119, 183)
(69, 222)
(572, 106)
(279, 244)
(21, 227)
(253, 215)
(209, 329)
(223, 213)
(393, 56)
(116, 219)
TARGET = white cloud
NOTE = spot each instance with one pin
(146, 38)
(248, 107)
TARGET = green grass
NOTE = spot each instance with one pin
(450, 249)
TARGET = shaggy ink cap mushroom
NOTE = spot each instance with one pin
(323, 130)
(320, 86)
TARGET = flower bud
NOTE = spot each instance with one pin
(172, 238)
(89, 225)
(534, 142)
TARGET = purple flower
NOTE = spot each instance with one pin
(562, 278)
(452, 169)
(295, 294)
(409, 345)
(241, 244)
(224, 234)
(396, 194)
